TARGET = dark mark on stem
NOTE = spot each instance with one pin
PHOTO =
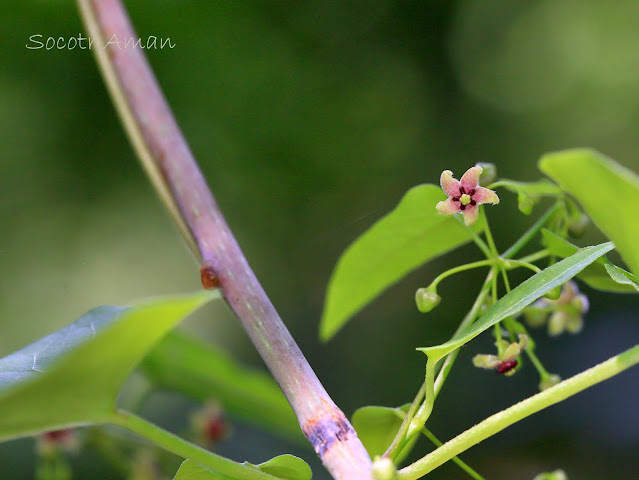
(322, 432)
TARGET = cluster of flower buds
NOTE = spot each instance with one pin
(209, 425)
(507, 361)
(565, 314)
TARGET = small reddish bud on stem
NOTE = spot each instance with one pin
(209, 278)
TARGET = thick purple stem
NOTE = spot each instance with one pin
(175, 174)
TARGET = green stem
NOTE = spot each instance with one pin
(184, 449)
(432, 391)
(468, 319)
(533, 257)
(401, 439)
(519, 411)
(543, 373)
(489, 237)
(476, 238)
(461, 464)
(498, 338)
(398, 441)
(531, 232)
(427, 407)
(505, 277)
(520, 263)
(461, 268)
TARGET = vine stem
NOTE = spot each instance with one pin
(175, 175)
(519, 411)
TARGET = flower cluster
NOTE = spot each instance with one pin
(565, 314)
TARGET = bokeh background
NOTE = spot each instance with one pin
(310, 120)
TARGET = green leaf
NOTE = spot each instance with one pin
(287, 467)
(602, 274)
(520, 297)
(189, 470)
(376, 427)
(412, 234)
(202, 371)
(605, 190)
(73, 376)
(622, 277)
(528, 193)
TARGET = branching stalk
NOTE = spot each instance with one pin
(175, 175)
(519, 411)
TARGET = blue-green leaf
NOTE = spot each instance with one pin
(73, 376)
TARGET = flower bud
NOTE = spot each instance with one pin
(209, 425)
(426, 299)
(556, 475)
(557, 323)
(574, 324)
(554, 294)
(534, 317)
(55, 441)
(580, 302)
(525, 203)
(578, 224)
(488, 174)
(488, 362)
(384, 469)
(549, 381)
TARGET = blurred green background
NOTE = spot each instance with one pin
(310, 120)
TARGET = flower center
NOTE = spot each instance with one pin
(465, 198)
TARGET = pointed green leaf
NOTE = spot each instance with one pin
(286, 467)
(622, 277)
(522, 296)
(203, 371)
(73, 376)
(605, 190)
(602, 274)
(412, 234)
(376, 427)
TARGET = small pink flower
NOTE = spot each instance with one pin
(465, 195)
